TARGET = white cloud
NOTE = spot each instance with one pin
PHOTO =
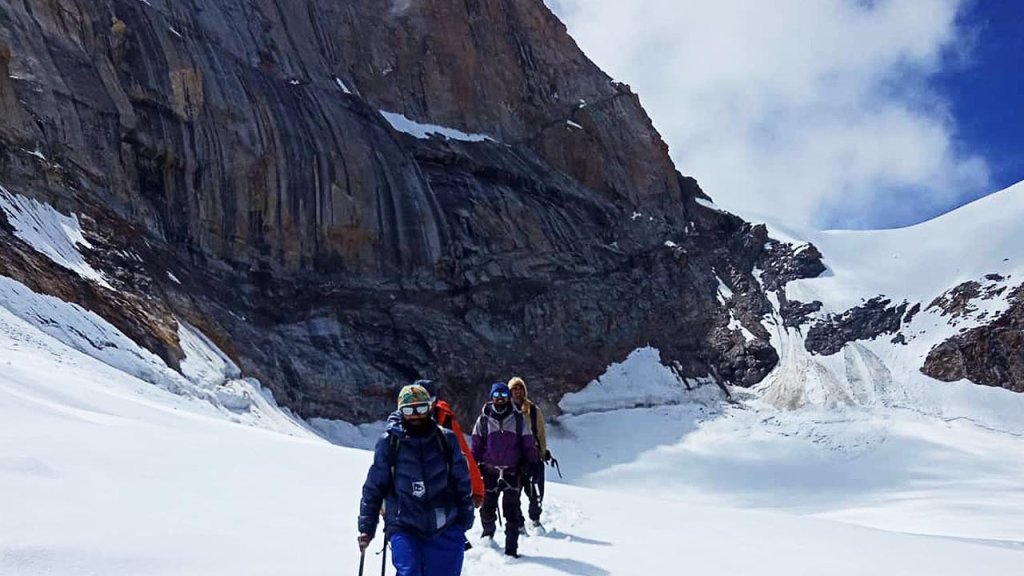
(813, 111)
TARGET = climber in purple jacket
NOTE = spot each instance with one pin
(504, 447)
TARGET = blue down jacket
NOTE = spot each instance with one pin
(428, 495)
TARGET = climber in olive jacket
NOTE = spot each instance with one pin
(533, 483)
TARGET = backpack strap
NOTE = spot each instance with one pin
(393, 444)
(533, 428)
(446, 448)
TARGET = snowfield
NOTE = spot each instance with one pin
(113, 464)
(104, 474)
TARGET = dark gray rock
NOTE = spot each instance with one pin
(865, 322)
(911, 313)
(795, 314)
(782, 262)
(956, 302)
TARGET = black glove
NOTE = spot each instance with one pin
(547, 456)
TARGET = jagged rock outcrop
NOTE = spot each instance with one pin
(239, 145)
(956, 302)
(869, 320)
(795, 314)
(781, 262)
(988, 354)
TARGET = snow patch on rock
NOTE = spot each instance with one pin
(50, 233)
(424, 131)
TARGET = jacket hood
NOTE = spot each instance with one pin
(394, 424)
(517, 381)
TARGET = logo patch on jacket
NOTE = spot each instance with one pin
(419, 489)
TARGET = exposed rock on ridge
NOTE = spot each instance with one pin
(873, 318)
(988, 354)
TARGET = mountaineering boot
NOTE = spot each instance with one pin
(488, 533)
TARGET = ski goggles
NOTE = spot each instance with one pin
(415, 409)
(499, 395)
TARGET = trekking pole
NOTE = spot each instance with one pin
(362, 560)
(384, 555)
(500, 490)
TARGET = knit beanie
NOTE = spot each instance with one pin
(499, 387)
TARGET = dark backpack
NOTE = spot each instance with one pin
(394, 443)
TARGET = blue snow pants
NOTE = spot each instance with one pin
(441, 555)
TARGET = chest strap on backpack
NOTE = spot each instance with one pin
(394, 443)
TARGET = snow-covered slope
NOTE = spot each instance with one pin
(103, 474)
(920, 262)
(112, 463)
(978, 242)
(209, 379)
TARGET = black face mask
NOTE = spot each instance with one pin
(418, 427)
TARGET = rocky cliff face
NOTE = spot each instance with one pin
(277, 175)
(991, 354)
(240, 146)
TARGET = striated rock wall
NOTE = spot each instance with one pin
(239, 145)
(224, 122)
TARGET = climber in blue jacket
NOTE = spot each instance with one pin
(419, 471)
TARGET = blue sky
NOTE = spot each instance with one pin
(824, 113)
(986, 92)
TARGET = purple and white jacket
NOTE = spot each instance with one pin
(503, 439)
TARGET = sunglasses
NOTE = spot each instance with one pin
(417, 409)
(499, 395)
